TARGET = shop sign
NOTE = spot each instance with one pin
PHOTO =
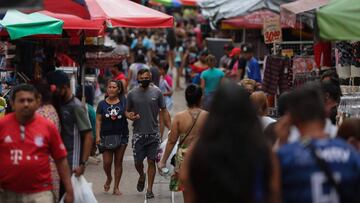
(287, 52)
(272, 30)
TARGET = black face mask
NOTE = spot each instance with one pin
(144, 83)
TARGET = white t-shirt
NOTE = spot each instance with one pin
(266, 120)
(329, 129)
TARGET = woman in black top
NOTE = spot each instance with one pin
(112, 132)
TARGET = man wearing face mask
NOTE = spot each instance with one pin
(145, 102)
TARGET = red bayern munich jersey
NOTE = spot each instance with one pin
(25, 163)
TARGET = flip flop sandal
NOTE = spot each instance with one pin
(149, 195)
(141, 184)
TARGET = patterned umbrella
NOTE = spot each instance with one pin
(175, 3)
(169, 3)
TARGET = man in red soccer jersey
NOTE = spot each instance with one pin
(26, 142)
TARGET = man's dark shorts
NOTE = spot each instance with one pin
(145, 146)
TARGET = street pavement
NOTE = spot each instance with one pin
(95, 174)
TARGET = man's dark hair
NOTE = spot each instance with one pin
(24, 87)
(58, 78)
(155, 60)
(43, 89)
(119, 66)
(283, 103)
(140, 58)
(164, 65)
(142, 71)
(306, 104)
(193, 94)
(247, 48)
(332, 88)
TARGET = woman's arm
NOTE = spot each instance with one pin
(202, 84)
(98, 126)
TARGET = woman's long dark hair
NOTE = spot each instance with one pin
(231, 160)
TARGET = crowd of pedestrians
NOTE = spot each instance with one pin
(228, 148)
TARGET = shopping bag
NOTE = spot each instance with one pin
(173, 152)
(82, 190)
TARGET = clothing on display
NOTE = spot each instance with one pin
(345, 53)
(322, 54)
(349, 107)
(304, 64)
(302, 78)
(278, 73)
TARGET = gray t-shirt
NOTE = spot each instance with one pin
(147, 104)
(74, 119)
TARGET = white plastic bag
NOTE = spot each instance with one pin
(82, 190)
(173, 152)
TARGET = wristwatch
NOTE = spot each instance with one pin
(83, 163)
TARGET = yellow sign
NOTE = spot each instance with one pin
(287, 52)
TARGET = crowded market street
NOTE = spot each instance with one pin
(194, 101)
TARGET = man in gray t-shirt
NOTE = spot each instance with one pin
(144, 104)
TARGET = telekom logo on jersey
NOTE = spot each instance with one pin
(16, 156)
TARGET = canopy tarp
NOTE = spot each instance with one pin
(253, 20)
(301, 6)
(216, 10)
(20, 25)
(125, 13)
(340, 20)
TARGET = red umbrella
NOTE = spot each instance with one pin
(125, 13)
(253, 20)
(75, 16)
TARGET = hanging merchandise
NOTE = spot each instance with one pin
(322, 55)
(345, 53)
(302, 78)
(277, 74)
(349, 107)
(348, 62)
(304, 64)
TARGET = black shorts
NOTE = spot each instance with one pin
(145, 146)
(123, 141)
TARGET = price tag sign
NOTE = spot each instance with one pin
(272, 30)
